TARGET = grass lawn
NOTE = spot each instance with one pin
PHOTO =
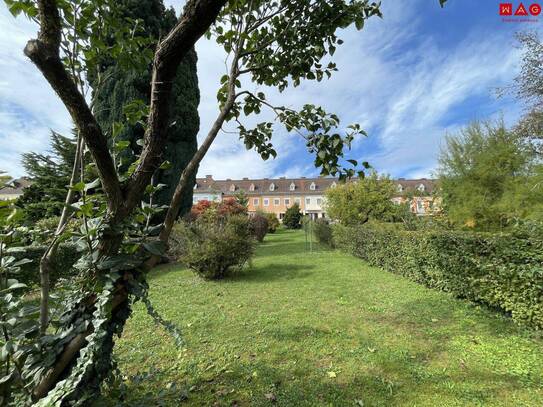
(322, 329)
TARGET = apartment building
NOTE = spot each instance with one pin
(277, 194)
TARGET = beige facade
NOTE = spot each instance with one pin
(278, 194)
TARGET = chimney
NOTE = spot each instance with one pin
(401, 179)
(303, 178)
(245, 179)
(282, 178)
(209, 176)
(228, 179)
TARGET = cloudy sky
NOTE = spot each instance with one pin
(410, 78)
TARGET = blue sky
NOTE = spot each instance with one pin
(410, 78)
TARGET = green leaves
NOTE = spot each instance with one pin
(27, 7)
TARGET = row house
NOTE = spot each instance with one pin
(277, 194)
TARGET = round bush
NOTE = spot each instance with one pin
(214, 248)
(259, 226)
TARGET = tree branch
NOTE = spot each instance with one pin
(44, 53)
(197, 17)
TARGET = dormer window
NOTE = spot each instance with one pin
(400, 188)
(312, 187)
(292, 186)
(272, 187)
(333, 185)
(252, 187)
(195, 186)
(421, 188)
(232, 188)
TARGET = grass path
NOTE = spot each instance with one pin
(323, 329)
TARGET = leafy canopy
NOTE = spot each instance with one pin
(279, 44)
(488, 176)
(362, 200)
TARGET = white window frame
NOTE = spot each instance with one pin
(292, 186)
(287, 201)
(319, 201)
(312, 187)
(272, 187)
(276, 201)
(256, 201)
(266, 202)
(308, 201)
(298, 201)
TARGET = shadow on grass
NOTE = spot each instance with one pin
(272, 272)
(254, 383)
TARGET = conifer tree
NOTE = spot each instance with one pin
(117, 87)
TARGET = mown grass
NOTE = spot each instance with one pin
(322, 329)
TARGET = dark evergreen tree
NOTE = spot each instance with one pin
(293, 217)
(50, 175)
(118, 86)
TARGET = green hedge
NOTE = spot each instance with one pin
(63, 262)
(499, 270)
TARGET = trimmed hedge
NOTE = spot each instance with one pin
(63, 262)
(498, 270)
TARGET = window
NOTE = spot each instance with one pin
(292, 186)
(281, 216)
(256, 201)
(333, 185)
(308, 201)
(312, 187)
(266, 202)
(272, 187)
(287, 201)
(298, 201)
(319, 201)
(421, 188)
(400, 188)
(276, 202)
(420, 206)
(252, 187)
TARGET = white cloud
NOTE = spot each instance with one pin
(402, 87)
(29, 108)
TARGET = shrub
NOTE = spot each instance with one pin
(225, 208)
(273, 222)
(499, 270)
(323, 232)
(259, 226)
(231, 206)
(214, 248)
(292, 218)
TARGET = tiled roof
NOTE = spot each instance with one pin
(16, 187)
(283, 185)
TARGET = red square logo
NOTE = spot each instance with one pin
(506, 9)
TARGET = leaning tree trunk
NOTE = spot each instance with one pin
(83, 361)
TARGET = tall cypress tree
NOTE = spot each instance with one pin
(117, 87)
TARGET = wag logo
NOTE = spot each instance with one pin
(520, 10)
